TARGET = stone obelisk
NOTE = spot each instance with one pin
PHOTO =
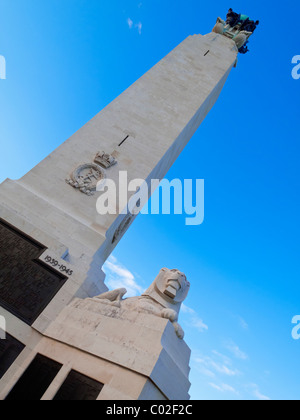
(53, 242)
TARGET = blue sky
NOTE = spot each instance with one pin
(67, 59)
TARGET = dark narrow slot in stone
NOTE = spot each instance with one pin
(35, 380)
(78, 387)
(10, 349)
(123, 141)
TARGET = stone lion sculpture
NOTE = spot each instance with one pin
(163, 298)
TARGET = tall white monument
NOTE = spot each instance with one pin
(67, 337)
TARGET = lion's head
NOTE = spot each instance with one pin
(170, 288)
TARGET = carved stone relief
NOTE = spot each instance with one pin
(105, 160)
(163, 298)
(86, 177)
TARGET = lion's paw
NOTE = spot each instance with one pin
(179, 331)
(169, 314)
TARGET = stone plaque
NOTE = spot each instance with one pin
(27, 285)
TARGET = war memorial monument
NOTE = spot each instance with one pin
(67, 336)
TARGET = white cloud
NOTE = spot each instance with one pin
(199, 324)
(119, 276)
(257, 394)
(224, 388)
(219, 369)
(185, 309)
(225, 359)
(236, 351)
(223, 369)
(193, 319)
(139, 27)
(243, 323)
(209, 366)
(130, 23)
(206, 372)
(203, 367)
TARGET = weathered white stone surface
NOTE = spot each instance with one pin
(134, 333)
(160, 113)
(141, 343)
(163, 298)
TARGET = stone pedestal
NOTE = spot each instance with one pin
(124, 340)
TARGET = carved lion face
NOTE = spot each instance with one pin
(173, 284)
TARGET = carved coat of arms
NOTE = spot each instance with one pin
(86, 177)
(105, 160)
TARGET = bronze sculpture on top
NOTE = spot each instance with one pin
(238, 27)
